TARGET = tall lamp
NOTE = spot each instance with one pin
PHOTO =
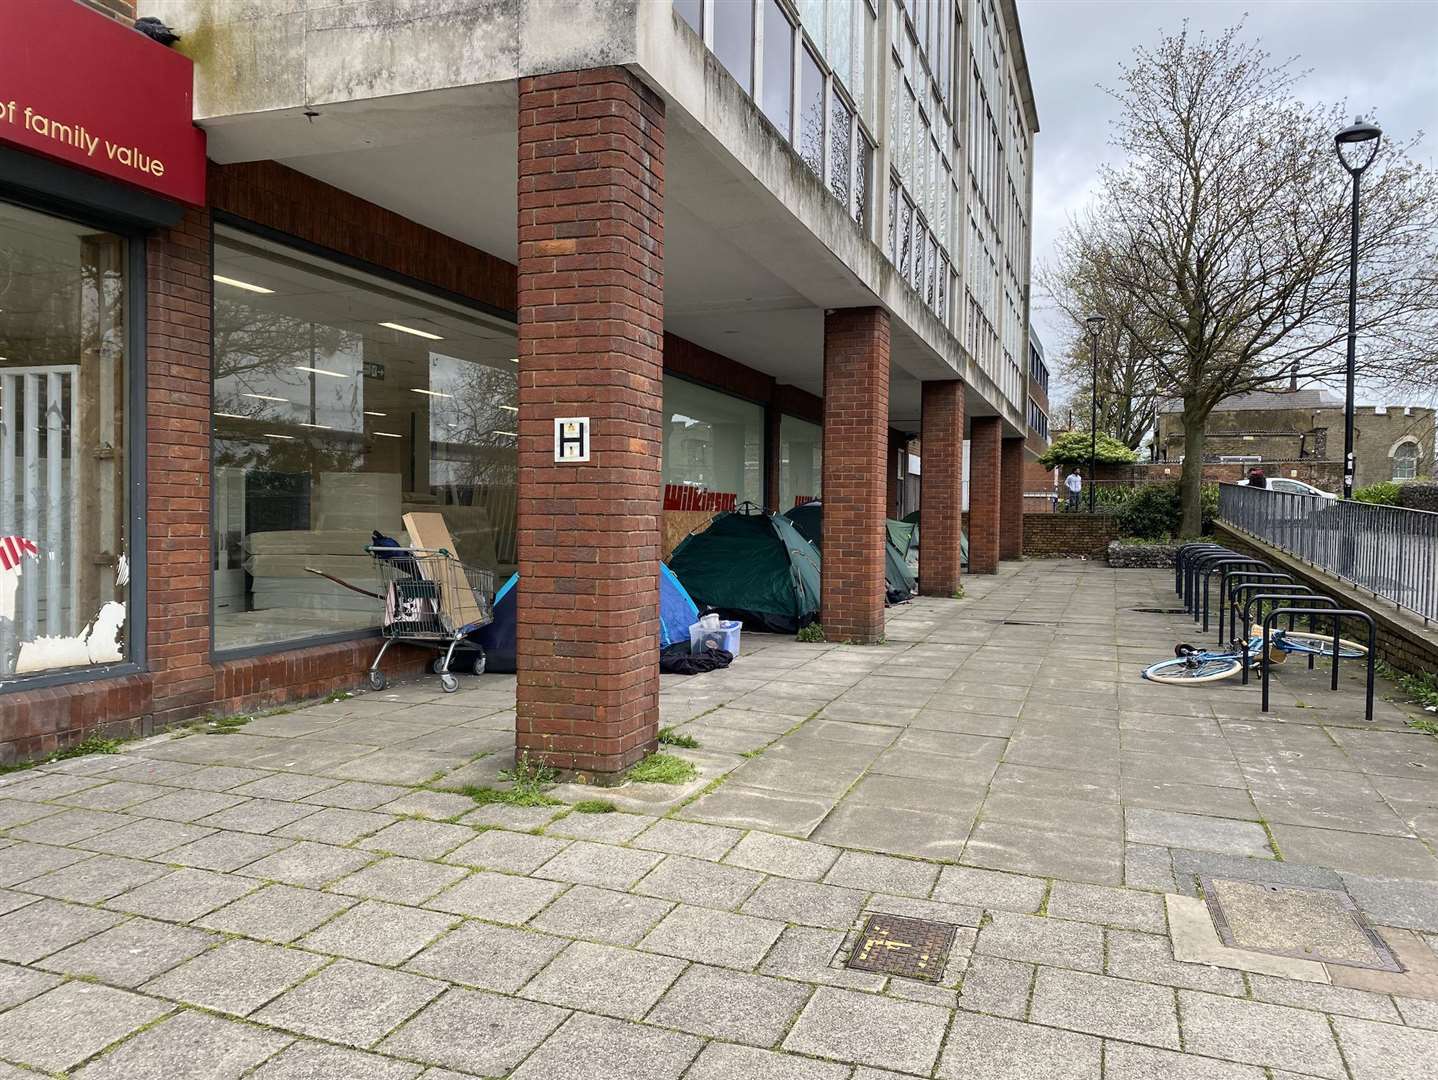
(1357, 146)
(1094, 324)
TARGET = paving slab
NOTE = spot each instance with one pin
(990, 889)
(502, 898)
(378, 932)
(132, 952)
(1097, 1005)
(722, 1004)
(602, 915)
(443, 1033)
(305, 1060)
(600, 978)
(487, 957)
(697, 881)
(1125, 1061)
(599, 1048)
(19, 984)
(62, 1027)
(47, 926)
(1257, 1034)
(726, 1061)
(279, 913)
(1197, 832)
(783, 856)
(236, 978)
(715, 937)
(228, 1050)
(869, 1030)
(992, 1048)
(351, 1003)
(1043, 941)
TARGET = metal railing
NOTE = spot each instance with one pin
(1389, 551)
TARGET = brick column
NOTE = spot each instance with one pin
(856, 439)
(591, 284)
(941, 489)
(773, 443)
(985, 451)
(1011, 499)
(177, 512)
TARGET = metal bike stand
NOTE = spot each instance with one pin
(1228, 612)
(1290, 590)
(1223, 566)
(1337, 615)
(1191, 562)
(1309, 597)
(1180, 561)
(1198, 569)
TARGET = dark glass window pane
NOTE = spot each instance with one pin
(906, 224)
(861, 180)
(734, 40)
(811, 113)
(893, 219)
(841, 125)
(692, 12)
(778, 66)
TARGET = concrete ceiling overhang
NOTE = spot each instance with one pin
(743, 276)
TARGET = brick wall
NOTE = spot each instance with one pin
(1011, 499)
(591, 338)
(941, 487)
(985, 452)
(1049, 536)
(856, 436)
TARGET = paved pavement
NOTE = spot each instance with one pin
(310, 897)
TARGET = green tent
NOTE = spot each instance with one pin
(751, 565)
(913, 519)
(899, 580)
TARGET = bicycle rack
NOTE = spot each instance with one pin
(1181, 557)
(1288, 588)
(1338, 615)
(1228, 612)
(1308, 597)
(1190, 560)
(1198, 568)
(1223, 566)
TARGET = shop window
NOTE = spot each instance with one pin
(801, 457)
(734, 40)
(1405, 461)
(342, 403)
(64, 544)
(778, 66)
(713, 448)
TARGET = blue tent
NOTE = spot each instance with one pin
(677, 612)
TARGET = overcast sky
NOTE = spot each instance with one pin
(1074, 45)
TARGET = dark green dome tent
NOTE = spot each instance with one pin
(751, 565)
(913, 519)
(899, 581)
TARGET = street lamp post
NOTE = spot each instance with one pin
(1357, 146)
(1095, 324)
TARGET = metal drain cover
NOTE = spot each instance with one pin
(1308, 922)
(912, 948)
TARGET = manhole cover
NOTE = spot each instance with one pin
(913, 948)
(1307, 922)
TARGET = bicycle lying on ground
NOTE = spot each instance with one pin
(1191, 664)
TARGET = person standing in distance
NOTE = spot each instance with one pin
(1074, 483)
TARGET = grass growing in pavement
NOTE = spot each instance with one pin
(90, 744)
(595, 806)
(670, 737)
(663, 769)
(814, 632)
(528, 781)
(1421, 689)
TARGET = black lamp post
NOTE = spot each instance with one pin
(1095, 324)
(1357, 146)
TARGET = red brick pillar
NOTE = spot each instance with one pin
(773, 449)
(591, 284)
(177, 467)
(985, 451)
(856, 439)
(941, 487)
(1011, 499)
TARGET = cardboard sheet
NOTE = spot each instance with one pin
(458, 604)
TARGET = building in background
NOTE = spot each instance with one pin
(1040, 484)
(1299, 433)
(755, 247)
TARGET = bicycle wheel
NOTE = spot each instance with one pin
(1321, 645)
(1183, 672)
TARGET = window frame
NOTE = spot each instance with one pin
(236, 223)
(136, 437)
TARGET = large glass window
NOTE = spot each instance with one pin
(811, 113)
(64, 546)
(343, 403)
(778, 66)
(1405, 461)
(801, 456)
(713, 448)
(734, 40)
(692, 12)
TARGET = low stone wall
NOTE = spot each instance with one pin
(1404, 641)
(1051, 536)
(1127, 555)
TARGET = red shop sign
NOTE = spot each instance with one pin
(84, 89)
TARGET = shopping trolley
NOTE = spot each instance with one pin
(431, 599)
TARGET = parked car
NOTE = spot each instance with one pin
(1293, 487)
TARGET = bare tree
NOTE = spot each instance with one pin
(1225, 231)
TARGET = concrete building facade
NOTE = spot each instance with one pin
(755, 248)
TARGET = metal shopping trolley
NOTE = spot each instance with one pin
(430, 598)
